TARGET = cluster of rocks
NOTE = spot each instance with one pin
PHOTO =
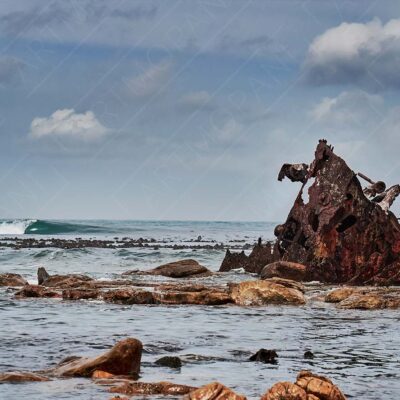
(118, 369)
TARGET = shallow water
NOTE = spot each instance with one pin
(358, 350)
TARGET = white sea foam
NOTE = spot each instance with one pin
(15, 227)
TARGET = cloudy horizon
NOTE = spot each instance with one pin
(187, 110)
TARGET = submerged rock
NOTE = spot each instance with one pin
(19, 377)
(263, 292)
(169, 361)
(123, 359)
(9, 279)
(265, 356)
(152, 389)
(214, 391)
(181, 269)
(339, 234)
(286, 270)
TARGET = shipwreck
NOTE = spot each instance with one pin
(343, 233)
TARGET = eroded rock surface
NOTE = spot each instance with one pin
(151, 389)
(286, 270)
(19, 377)
(214, 391)
(181, 269)
(9, 279)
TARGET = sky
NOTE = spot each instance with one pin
(186, 110)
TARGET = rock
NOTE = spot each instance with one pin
(123, 359)
(265, 356)
(214, 391)
(80, 294)
(338, 295)
(98, 374)
(9, 279)
(42, 275)
(319, 386)
(371, 301)
(181, 269)
(262, 292)
(129, 296)
(36, 291)
(285, 391)
(308, 355)
(152, 389)
(61, 281)
(206, 297)
(19, 377)
(286, 270)
(171, 362)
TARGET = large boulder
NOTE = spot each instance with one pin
(181, 269)
(9, 279)
(123, 359)
(338, 295)
(214, 391)
(286, 270)
(285, 391)
(263, 292)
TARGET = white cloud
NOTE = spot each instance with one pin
(68, 123)
(348, 108)
(356, 52)
(151, 80)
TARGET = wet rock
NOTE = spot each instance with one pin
(181, 269)
(123, 359)
(286, 270)
(262, 292)
(98, 374)
(205, 297)
(61, 281)
(319, 386)
(169, 361)
(19, 377)
(308, 355)
(152, 389)
(9, 279)
(265, 356)
(36, 291)
(285, 391)
(372, 300)
(80, 294)
(338, 295)
(129, 296)
(214, 391)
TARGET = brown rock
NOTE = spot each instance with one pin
(9, 279)
(123, 359)
(98, 374)
(206, 297)
(319, 386)
(338, 295)
(129, 296)
(18, 377)
(257, 293)
(61, 281)
(361, 301)
(214, 391)
(36, 291)
(151, 389)
(285, 391)
(80, 294)
(286, 270)
(181, 269)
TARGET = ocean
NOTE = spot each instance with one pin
(354, 348)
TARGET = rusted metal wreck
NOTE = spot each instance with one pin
(343, 234)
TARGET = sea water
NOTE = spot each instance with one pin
(359, 350)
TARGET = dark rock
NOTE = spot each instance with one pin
(80, 294)
(42, 275)
(180, 269)
(168, 361)
(36, 291)
(206, 297)
(19, 377)
(308, 355)
(129, 296)
(265, 356)
(286, 270)
(9, 279)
